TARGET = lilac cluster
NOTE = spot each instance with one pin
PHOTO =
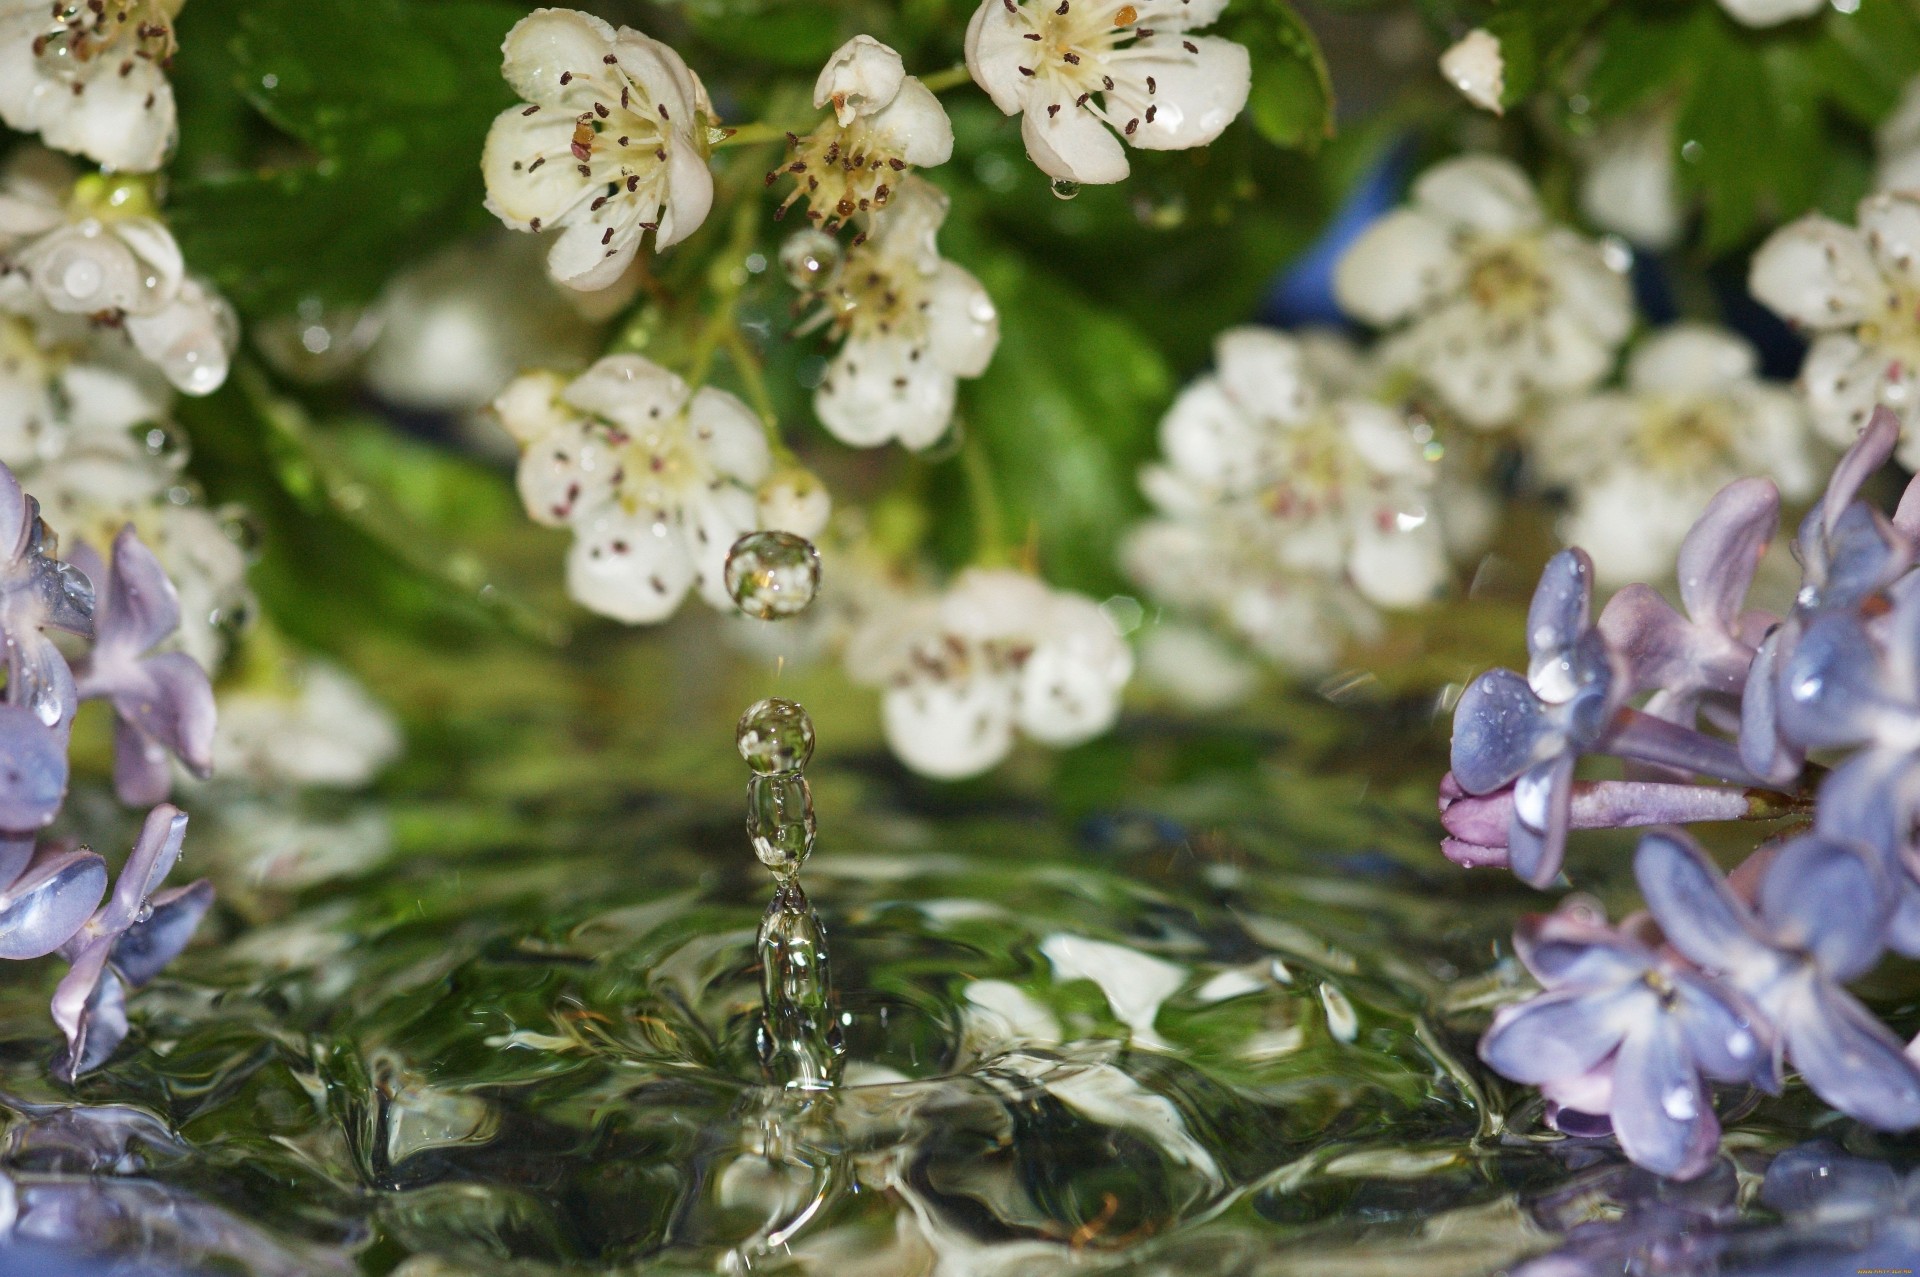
(163, 704)
(1724, 978)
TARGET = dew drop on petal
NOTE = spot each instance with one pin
(775, 736)
(82, 278)
(1680, 1104)
(772, 575)
(1740, 1044)
(1063, 189)
(46, 705)
(810, 259)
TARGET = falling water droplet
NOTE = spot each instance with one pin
(773, 575)
(799, 1039)
(1064, 189)
(780, 821)
(810, 259)
(775, 736)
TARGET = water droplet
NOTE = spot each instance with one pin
(82, 278)
(773, 575)
(1680, 1104)
(240, 526)
(1740, 1044)
(780, 821)
(1064, 189)
(775, 736)
(145, 912)
(810, 259)
(46, 704)
(165, 443)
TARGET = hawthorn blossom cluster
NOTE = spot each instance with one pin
(1719, 713)
(126, 609)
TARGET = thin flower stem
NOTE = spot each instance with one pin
(753, 134)
(753, 380)
(951, 78)
(990, 549)
(730, 275)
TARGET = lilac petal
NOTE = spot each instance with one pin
(1655, 643)
(1579, 1125)
(1556, 1035)
(1644, 738)
(1695, 909)
(1867, 454)
(1498, 731)
(142, 775)
(66, 596)
(99, 1027)
(1826, 898)
(16, 849)
(1470, 855)
(33, 770)
(39, 679)
(1542, 806)
(1847, 1056)
(50, 902)
(77, 991)
(1661, 1112)
(15, 521)
(153, 856)
(1723, 550)
(141, 607)
(1906, 515)
(1727, 1038)
(1558, 614)
(1565, 950)
(1832, 696)
(1903, 928)
(1601, 804)
(1763, 751)
(147, 947)
(1863, 554)
(1871, 799)
(172, 703)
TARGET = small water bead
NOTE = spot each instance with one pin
(775, 736)
(810, 259)
(780, 821)
(773, 575)
(1063, 189)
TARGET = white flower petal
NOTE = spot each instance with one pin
(104, 403)
(1396, 567)
(879, 389)
(1070, 684)
(1069, 142)
(549, 43)
(532, 406)
(1263, 372)
(1588, 291)
(125, 122)
(862, 77)
(914, 126)
(795, 501)
(1475, 66)
(731, 437)
(995, 605)
(1691, 358)
(191, 339)
(1631, 526)
(950, 730)
(531, 176)
(571, 472)
(1197, 94)
(1768, 13)
(1484, 193)
(1379, 436)
(628, 390)
(1397, 266)
(1209, 437)
(633, 569)
(1816, 272)
(714, 520)
(1842, 380)
(963, 327)
(689, 197)
(1890, 222)
(1629, 185)
(994, 50)
(1898, 170)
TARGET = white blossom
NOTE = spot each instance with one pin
(913, 323)
(656, 481)
(1475, 66)
(1326, 485)
(311, 724)
(609, 143)
(1490, 303)
(884, 123)
(1628, 185)
(93, 249)
(1769, 13)
(90, 77)
(999, 652)
(1857, 291)
(1085, 74)
(1641, 462)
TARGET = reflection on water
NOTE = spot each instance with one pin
(1220, 1023)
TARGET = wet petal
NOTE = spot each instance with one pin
(632, 568)
(1862, 459)
(1816, 272)
(1199, 93)
(1832, 686)
(1722, 552)
(1558, 615)
(1862, 555)
(1828, 899)
(550, 43)
(1068, 141)
(1847, 1056)
(33, 769)
(147, 947)
(1537, 838)
(139, 607)
(1499, 730)
(1762, 750)
(1564, 950)
(1661, 1112)
(1657, 645)
(50, 901)
(1697, 911)
(1559, 1035)
(1727, 1038)
(963, 326)
(158, 847)
(142, 772)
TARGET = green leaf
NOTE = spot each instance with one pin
(1291, 101)
(1536, 37)
(1065, 415)
(380, 109)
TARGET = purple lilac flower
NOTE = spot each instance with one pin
(1528, 732)
(162, 701)
(1477, 826)
(126, 943)
(1819, 922)
(1625, 1031)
